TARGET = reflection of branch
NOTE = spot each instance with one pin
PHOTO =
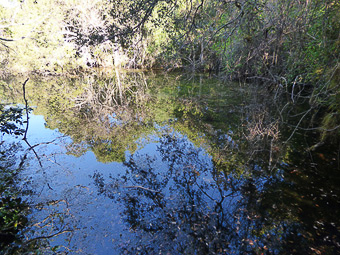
(50, 236)
(213, 199)
(44, 143)
(141, 187)
(27, 122)
(297, 126)
(32, 148)
(26, 107)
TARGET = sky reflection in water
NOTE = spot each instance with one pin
(169, 169)
(181, 185)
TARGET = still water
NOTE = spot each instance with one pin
(155, 163)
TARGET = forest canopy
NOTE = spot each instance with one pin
(269, 39)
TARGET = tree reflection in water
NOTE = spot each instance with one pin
(173, 200)
(176, 201)
(255, 187)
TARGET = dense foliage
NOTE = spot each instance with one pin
(292, 45)
(291, 40)
(12, 208)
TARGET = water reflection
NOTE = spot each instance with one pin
(163, 164)
(176, 201)
(172, 199)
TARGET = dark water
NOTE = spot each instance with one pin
(172, 164)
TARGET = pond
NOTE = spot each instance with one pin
(154, 163)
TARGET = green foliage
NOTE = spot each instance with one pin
(12, 218)
(11, 120)
(246, 38)
(13, 210)
(270, 41)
